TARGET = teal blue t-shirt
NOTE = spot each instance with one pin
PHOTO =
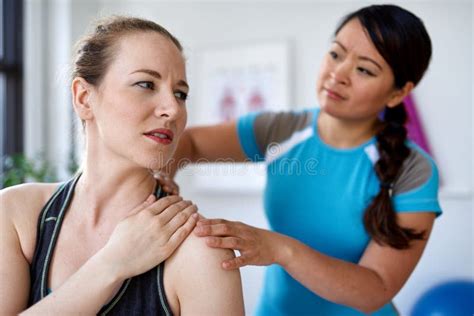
(317, 194)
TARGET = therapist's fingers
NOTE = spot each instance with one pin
(236, 263)
(234, 243)
(211, 221)
(247, 253)
(221, 229)
(256, 246)
(168, 183)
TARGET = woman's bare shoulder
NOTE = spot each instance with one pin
(20, 207)
(25, 197)
(196, 269)
(194, 249)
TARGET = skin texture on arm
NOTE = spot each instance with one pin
(207, 144)
(196, 284)
(367, 286)
(89, 293)
(14, 268)
(153, 231)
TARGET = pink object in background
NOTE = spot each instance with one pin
(227, 106)
(414, 126)
(256, 102)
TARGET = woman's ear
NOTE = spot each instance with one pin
(81, 93)
(400, 94)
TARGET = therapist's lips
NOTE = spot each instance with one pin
(334, 95)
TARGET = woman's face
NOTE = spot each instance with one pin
(355, 82)
(139, 108)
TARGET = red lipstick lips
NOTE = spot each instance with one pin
(160, 135)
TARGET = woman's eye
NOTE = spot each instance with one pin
(145, 84)
(181, 95)
(365, 71)
(333, 54)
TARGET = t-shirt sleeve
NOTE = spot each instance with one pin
(246, 135)
(416, 189)
(258, 131)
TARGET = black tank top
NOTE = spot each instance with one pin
(143, 294)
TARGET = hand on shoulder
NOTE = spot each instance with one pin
(194, 277)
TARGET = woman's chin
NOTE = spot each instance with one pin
(153, 163)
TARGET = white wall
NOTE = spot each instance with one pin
(47, 98)
(444, 100)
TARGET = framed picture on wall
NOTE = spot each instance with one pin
(233, 81)
(237, 80)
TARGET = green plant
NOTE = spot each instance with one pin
(18, 169)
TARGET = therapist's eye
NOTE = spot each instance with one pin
(333, 55)
(181, 95)
(365, 71)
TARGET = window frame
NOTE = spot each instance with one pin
(11, 67)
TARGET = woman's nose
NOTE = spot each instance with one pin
(340, 73)
(167, 105)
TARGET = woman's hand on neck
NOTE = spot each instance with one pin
(113, 188)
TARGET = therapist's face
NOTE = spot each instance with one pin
(355, 82)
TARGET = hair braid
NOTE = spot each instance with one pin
(403, 41)
(380, 219)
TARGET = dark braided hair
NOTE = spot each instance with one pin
(402, 40)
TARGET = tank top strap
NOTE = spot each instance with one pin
(48, 227)
(143, 294)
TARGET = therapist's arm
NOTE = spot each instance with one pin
(366, 286)
(207, 144)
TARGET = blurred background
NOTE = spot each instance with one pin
(40, 139)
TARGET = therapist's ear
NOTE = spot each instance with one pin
(81, 94)
(398, 95)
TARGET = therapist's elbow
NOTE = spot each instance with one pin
(373, 304)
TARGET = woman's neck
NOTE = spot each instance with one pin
(111, 189)
(340, 133)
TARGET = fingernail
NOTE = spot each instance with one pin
(195, 215)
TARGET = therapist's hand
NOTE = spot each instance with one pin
(167, 183)
(256, 246)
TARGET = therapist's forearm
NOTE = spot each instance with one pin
(202, 144)
(336, 280)
(183, 155)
